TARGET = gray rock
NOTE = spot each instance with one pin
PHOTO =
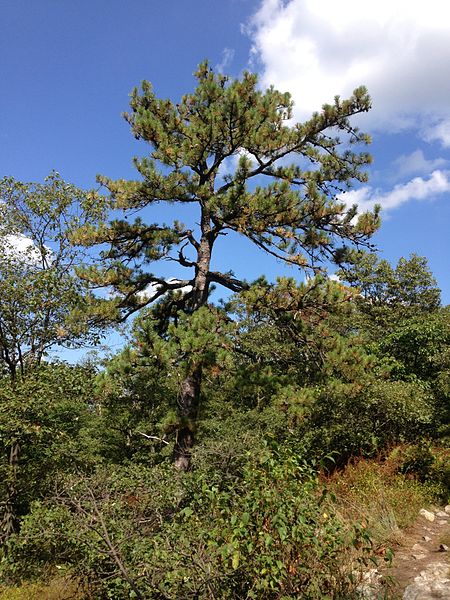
(369, 587)
(441, 514)
(433, 583)
(429, 516)
(418, 548)
(418, 555)
(443, 548)
(426, 538)
(447, 509)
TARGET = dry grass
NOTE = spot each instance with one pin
(57, 588)
(373, 494)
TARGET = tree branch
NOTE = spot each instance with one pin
(235, 285)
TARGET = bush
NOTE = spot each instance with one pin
(145, 533)
(376, 494)
(429, 464)
(364, 419)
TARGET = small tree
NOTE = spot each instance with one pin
(38, 290)
(390, 296)
(38, 284)
(291, 211)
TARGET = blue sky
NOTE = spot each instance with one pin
(66, 70)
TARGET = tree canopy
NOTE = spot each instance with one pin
(38, 286)
(231, 151)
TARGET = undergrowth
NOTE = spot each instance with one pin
(260, 532)
(376, 494)
(56, 588)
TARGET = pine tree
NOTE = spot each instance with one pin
(290, 211)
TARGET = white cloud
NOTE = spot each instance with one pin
(416, 163)
(416, 189)
(399, 49)
(439, 132)
(229, 165)
(22, 247)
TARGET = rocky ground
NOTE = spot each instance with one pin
(421, 567)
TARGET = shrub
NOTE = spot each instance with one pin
(429, 464)
(147, 533)
(364, 419)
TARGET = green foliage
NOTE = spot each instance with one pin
(364, 418)
(139, 389)
(279, 379)
(389, 296)
(144, 533)
(48, 416)
(38, 287)
(410, 285)
(288, 211)
(429, 464)
(420, 346)
(288, 381)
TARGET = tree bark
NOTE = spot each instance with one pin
(188, 411)
(189, 399)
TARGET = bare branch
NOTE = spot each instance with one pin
(153, 437)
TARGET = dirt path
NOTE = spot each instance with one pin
(421, 567)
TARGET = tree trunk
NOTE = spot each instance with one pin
(188, 410)
(190, 387)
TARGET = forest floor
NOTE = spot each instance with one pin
(420, 569)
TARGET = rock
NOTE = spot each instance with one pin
(418, 552)
(432, 583)
(442, 514)
(369, 587)
(442, 522)
(426, 538)
(429, 516)
(418, 548)
(443, 548)
(418, 555)
(447, 509)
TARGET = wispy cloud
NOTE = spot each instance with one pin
(438, 132)
(152, 289)
(415, 163)
(415, 189)
(227, 59)
(230, 164)
(21, 247)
